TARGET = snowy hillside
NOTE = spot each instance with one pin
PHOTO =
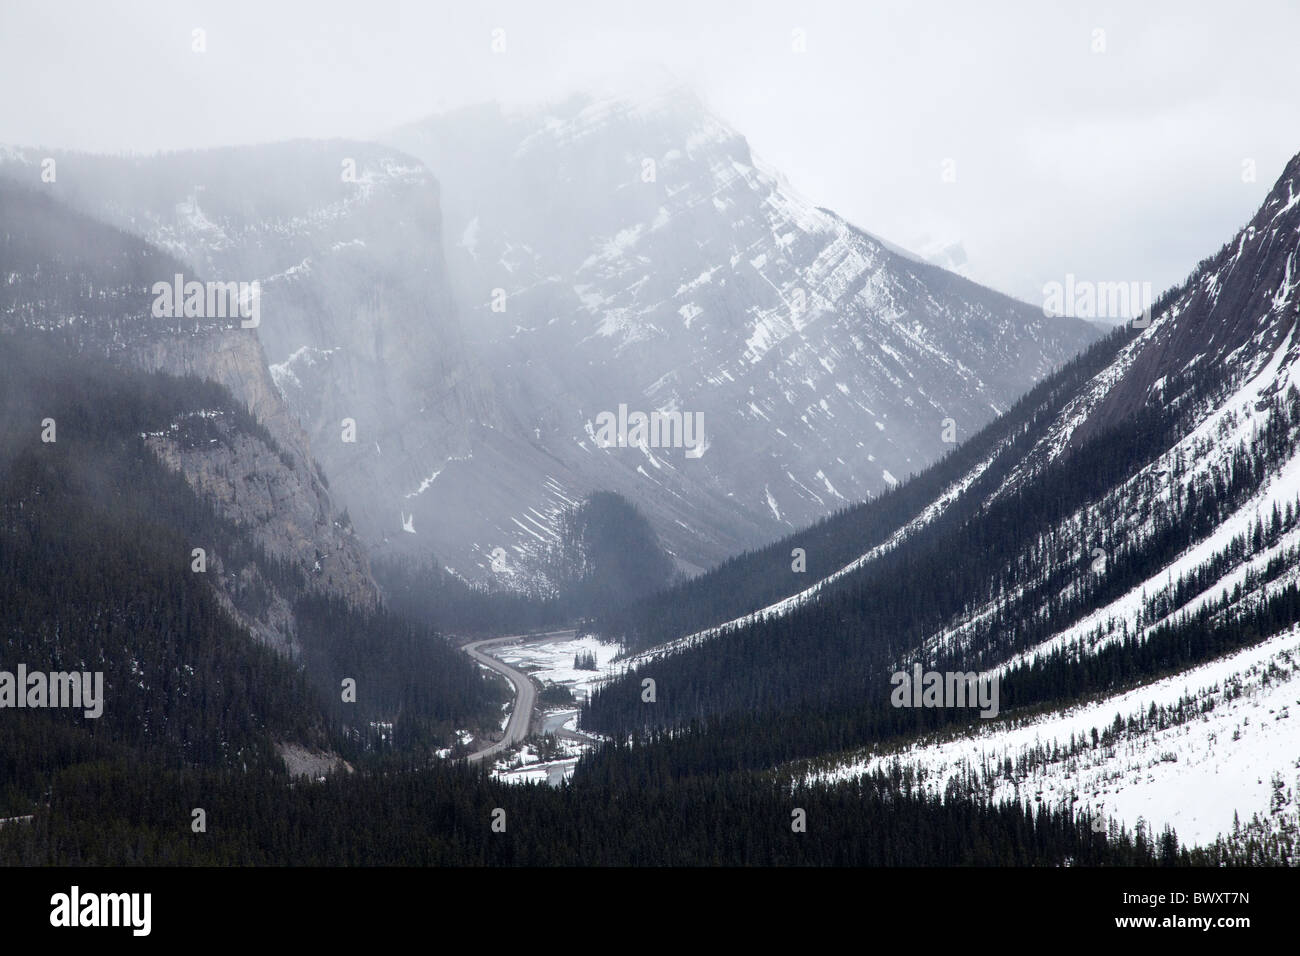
(1221, 364)
(1222, 743)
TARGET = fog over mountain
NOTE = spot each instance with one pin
(1057, 134)
(474, 318)
(715, 435)
(640, 255)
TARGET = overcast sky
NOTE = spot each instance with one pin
(1123, 164)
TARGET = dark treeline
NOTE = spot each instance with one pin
(424, 591)
(110, 815)
(95, 550)
(95, 575)
(825, 731)
(413, 689)
(606, 554)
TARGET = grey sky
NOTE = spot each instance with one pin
(1125, 164)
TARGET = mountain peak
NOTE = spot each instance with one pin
(643, 258)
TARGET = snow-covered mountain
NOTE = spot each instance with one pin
(630, 251)
(1228, 746)
(454, 349)
(1122, 552)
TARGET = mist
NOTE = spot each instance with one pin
(1015, 142)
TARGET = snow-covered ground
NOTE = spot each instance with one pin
(1192, 775)
(527, 766)
(551, 662)
(1225, 430)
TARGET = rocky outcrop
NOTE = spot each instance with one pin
(311, 764)
(357, 322)
(630, 250)
(604, 253)
(99, 301)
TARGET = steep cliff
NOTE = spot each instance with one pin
(630, 250)
(88, 288)
(357, 325)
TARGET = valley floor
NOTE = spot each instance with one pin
(547, 659)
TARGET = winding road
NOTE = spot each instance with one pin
(525, 690)
(525, 695)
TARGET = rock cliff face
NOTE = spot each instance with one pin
(276, 496)
(601, 254)
(632, 251)
(87, 285)
(357, 325)
(277, 493)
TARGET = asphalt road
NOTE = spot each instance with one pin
(525, 690)
(525, 696)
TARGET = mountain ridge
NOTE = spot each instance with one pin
(1089, 571)
(677, 241)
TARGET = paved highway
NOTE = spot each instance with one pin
(525, 690)
(525, 696)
